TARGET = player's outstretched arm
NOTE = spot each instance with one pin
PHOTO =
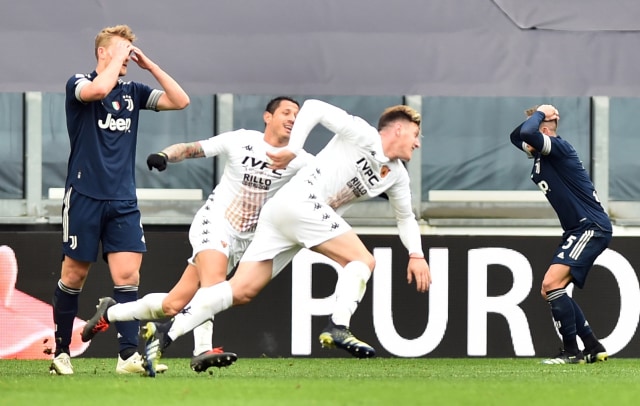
(175, 153)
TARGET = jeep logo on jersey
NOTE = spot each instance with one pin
(113, 124)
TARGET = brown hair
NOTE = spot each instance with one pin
(399, 112)
(104, 37)
(529, 112)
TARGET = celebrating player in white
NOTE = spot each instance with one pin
(359, 163)
(222, 229)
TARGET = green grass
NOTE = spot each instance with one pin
(335, 381)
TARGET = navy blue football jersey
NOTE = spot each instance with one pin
(103, 137)
(559, 173)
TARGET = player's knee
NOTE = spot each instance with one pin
(74, 277)
(170, 309)
(543, 293)
(371, 262)
(548, 286)
(243, 297)
(126, 277)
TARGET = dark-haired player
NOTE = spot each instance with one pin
(559, 173)
(223, 227)
(360, 162)
(100, 204)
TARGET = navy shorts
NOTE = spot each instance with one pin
(86, 222)
(580, 249)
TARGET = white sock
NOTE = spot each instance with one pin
(350, 289)
(205, 303)
(147, 308)
(203, 338)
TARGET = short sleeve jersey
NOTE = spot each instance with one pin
(247, 182)
(103, 137)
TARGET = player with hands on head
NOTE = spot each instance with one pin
(221, 230)
(359, 163)
(100, 204)
(559, 173)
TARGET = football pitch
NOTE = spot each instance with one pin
(328, 381)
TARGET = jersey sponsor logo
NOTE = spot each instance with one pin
(357, 187)
(115, 124)
(367, 172)
(256, 182)
(252, 162)
(544, 186)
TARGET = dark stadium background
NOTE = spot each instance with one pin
(263, 328)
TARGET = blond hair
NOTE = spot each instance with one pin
(546, 123)
(529, 112)
(399, 112)
(104, 37)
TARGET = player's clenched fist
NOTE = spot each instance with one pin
(158, 161)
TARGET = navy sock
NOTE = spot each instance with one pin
(65, 309)
(583, 328)
(128, 330)
(565, 318)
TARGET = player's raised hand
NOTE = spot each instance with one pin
(140, 58)
(121, 51)
(550, 112)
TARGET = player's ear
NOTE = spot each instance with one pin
(102, 52)
(266, 116)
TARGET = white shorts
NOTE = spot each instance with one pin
(290, 221)
(211, 231)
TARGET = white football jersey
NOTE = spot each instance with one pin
(351, 167)
(246, 183)
(354, 167)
